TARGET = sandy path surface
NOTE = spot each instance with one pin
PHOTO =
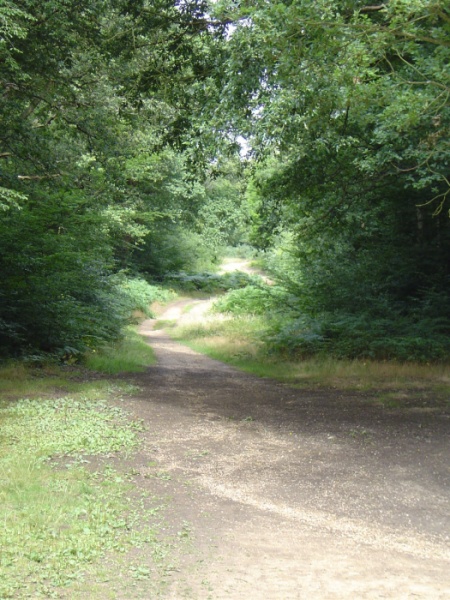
(242, 264)
(289, 494)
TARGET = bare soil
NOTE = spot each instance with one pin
(287, 494)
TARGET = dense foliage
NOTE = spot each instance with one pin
(97, 109)
(346, 106)
(210, 282)
(118, 123)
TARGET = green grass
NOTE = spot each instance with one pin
(55, 524)
(65, 508)
(131, 354)
(19, 379)
(76, 425)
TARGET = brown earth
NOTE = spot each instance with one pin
(289, 494)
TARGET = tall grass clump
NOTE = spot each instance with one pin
(30, 378)
(130, 354)
(253, 329)
(227, 338)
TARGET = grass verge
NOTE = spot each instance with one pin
(236, 340)
(131, 354)
(66, 503)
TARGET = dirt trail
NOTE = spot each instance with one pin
(242, 264)
(291, 494)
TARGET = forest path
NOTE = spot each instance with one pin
(244, 265)
(289, 494)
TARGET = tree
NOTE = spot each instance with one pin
(301, 75)
(93, 94)
(346, 106)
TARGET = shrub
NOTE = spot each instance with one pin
(296, 337)
(136, 294)
(172, 249)
(361, 336)
(241, 251)
(256, 300)
(210, 282)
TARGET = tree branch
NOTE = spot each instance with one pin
(38, 177)
(367, 9)
(443, 15)
(422, 38)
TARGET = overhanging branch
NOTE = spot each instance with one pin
(376, 8)
(38, 177)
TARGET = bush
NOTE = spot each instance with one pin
(172, 249)
(241, 251)
(256, 300)
(374, 303)
(210, 282)
(361, 336)
(136, 294)
(397, 337)
(295, 337)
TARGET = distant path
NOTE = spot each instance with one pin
(290, 494)
(242, 264)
